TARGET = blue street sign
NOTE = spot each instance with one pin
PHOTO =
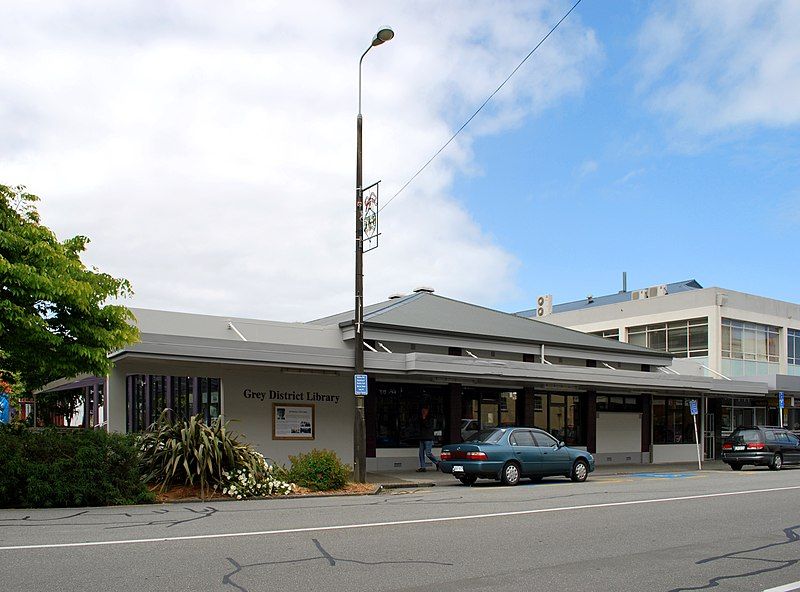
(361, 384)
(693, 406)
(780, 400)
(5, 409)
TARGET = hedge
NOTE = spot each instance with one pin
(48, 468)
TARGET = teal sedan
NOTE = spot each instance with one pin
(509, 454)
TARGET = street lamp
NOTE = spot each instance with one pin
(383, 35)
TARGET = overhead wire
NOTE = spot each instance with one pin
(479, 109)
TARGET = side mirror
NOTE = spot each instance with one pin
(561, 445)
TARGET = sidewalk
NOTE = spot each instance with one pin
(432, 478)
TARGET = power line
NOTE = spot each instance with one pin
(479, 109)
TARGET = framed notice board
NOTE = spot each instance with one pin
(293, 421)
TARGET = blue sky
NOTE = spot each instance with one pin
(603, 183)
(208, 150)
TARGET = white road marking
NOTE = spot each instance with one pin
(785, 587)
(230, 535)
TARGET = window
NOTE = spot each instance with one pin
(543, 439)
(149, 395)
(607, 334)
(672, 421)
(749, 341)
(398, 410)
(683, 339)
(793, 346)
(620, 403)
(522, 438)
(562, 416)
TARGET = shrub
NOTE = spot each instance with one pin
(243, 483)
(67, 468)
(319, 470)
(189, 452)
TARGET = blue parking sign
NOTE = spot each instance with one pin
(693, 406)
(361, 384)
(5, 408)
(781, 402)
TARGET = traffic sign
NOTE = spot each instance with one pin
(693, 406)
(781, 401)
(361, 384)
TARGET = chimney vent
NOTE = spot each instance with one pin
(423, 289)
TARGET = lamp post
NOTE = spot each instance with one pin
(383, 35)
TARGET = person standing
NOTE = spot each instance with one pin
(426, 439)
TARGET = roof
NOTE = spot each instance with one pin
(431, 313)
(596, 301)
(201, 349)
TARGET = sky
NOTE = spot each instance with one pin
(207, 149)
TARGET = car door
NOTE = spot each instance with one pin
(791, 446)
(526, 452)
(555, 459)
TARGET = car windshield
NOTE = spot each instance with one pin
(486, 436)
(746, 436)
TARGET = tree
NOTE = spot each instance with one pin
(55, 320)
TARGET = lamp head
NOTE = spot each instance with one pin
(383, 35)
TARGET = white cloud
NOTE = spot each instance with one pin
(716, 66)
(208, 148)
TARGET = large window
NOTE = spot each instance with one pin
(149, 395)
(683, 339)
(399, 410)
(672, 421)
(561, 415)
(749, 341)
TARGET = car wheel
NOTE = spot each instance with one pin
(777, 462)
(580, 471)
(736, 466)
(510, 474)
(468, 479)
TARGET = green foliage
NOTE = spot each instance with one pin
(319, 470)
(189, 452)
(53, 320)
(68, 468)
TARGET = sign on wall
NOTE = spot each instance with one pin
(293, 422)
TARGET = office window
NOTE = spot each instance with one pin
(607, 334)
(793, 346)
(683, 339)
(749, 341)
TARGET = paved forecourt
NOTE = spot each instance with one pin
(648, 531)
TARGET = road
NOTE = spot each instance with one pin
(715, 530)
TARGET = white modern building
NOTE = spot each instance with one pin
(714, 332)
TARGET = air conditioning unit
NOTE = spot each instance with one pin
(640, 294)
(654, 291)
(544, 305)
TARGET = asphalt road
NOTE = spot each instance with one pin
(693, 531)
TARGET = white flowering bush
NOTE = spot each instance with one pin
(245, 482)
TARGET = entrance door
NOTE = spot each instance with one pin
(708, 436)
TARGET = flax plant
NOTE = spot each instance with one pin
(190, 452)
